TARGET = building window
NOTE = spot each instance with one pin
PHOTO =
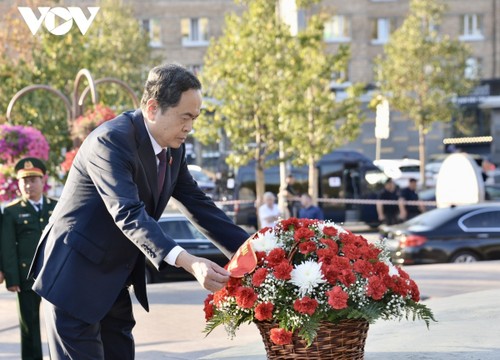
(381, 30)
(471, 27)
(194, 31)
(472, 68)
(153, 28)
(337, 29)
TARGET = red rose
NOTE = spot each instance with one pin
(264, 311)
(303, 234)
(259, 276)
(306, 305)
(245, 297)
(283, 270)
(337, 298)
(307, 247)
(275, 256)
(280, 336)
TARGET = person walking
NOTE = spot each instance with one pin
(388, 213)
(289, 192)
(23, 222)
(269, 211)
(308, 209)
(409, 211)
(105, 223)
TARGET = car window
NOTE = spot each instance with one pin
(176, 229)
(409, 168)
(480, 220)
(195, 233)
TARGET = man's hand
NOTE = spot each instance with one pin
(211, 276)
(1, 277)
(14, 288)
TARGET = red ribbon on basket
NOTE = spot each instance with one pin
(244, 260)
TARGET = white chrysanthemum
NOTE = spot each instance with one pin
(265, 242)
(307, 276)
(339, 228)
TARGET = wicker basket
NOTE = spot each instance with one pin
(344, 340)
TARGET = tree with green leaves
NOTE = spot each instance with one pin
(317, 120)
(114, 46)
(270, 88)
(422, 70)
(246, 71)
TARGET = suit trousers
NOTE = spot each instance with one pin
(109, 339)
(28, 303)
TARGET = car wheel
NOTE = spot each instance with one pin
(464, 257)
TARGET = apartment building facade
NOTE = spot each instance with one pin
(180, 31)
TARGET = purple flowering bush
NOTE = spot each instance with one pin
(16, 142)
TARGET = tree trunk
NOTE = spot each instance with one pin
(421, 153)
(313, 179)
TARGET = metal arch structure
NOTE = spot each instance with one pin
(31, 88)
(77, 106)
(123, 84)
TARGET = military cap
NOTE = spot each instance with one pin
(30, 166)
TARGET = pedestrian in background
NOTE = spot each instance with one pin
(407, 211)
(23, 222)
(388, 213)
(308, 209)
(105, 223)
(269, 211)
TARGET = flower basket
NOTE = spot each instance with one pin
(344, 340)
(312, 287)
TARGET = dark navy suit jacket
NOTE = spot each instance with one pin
(105, 223)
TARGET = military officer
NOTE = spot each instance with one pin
(23, 222)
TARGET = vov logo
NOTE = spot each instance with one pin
(58, 20)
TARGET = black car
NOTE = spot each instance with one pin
(464, 233)
(187, 236)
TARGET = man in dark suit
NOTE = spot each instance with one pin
(23, 223)
(105, 223)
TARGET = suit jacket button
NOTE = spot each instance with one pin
(23, 265)
(25, 221)
(41, 219)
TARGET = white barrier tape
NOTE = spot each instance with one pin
(340, 201)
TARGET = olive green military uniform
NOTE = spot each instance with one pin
(22, 228)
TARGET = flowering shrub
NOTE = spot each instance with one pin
(16, 142)
(82, 127)
(309, 271)
(84, 124)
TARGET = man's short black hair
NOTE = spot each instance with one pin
(166, 83)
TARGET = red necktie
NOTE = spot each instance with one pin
(162, 169)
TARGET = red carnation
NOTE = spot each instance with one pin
(280, 336)
(307, 247)
(283, 270)
(363, 267)
(306, 305)
(303, 234)
(290, 223)
(337, 298)
(376, 288)
(220, 296)
(275, 257)
(259, 276)
(330, 231)
(264, 311)
(245, 297)
(209, 307)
